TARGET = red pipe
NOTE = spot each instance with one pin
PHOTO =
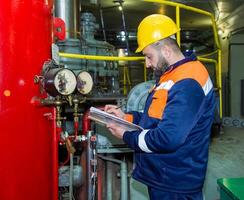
(86, 123)
(76, 126)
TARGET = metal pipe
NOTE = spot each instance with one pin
(218, 77)
(178, 24)
(124, 27)
(209, 60)
(66, 10)
(88, 161)
(102, 23)
(86, 123)
(109, 188)
(209, 54)
(123, 176)
(145, 71)
(71, 169)
(170, 3)
(219, 82)
(124, 181)
(108, 58)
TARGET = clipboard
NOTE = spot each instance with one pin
(104, 118)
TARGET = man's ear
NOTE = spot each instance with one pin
(166, 51)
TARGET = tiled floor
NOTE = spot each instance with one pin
(226, 159)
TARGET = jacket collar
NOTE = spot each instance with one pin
(188, 58)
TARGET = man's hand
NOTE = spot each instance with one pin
(113, 109)
(116, 130)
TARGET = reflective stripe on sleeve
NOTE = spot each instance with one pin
(142, 143)
(208, 86)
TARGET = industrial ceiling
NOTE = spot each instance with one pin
(194, 25)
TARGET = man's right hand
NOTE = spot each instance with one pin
(113, 109)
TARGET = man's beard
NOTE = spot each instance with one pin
(161, 67)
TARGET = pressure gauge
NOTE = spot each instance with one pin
(59, 81)
(84, 82)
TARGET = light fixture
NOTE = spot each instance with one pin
(120, 3)
(220, 32)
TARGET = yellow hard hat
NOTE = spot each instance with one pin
(154, 28)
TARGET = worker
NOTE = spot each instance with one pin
(171, 153)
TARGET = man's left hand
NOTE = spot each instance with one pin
(116, 130)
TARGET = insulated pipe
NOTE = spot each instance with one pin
(123, 176)
(66, 10)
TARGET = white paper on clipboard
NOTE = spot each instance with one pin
(104, 118)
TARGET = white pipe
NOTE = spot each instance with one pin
(71, 168)
(123, 176)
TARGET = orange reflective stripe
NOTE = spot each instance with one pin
(128, 117)
(158, 104)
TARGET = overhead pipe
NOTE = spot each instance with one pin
(102, 23)
(124, 27)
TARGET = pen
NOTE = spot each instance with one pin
(120, 106)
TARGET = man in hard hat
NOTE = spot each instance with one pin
(171, 152)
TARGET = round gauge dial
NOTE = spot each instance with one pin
(84, 82)
(65, 81)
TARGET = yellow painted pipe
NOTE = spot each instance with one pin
(218, 78)
(220, 84)
(170, 3)
(124, 81)
(209, 60)
(209, 54)
(105, 58)
(197, 10)
(145, 72)
(178, 24)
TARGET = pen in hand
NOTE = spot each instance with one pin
(120, 106)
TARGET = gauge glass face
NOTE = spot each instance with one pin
(84, 82)
(65, 81)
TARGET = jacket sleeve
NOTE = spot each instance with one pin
(134, 117)
(182, 111)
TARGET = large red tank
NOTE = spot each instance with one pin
(27, 138)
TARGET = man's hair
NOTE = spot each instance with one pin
(172, 43)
